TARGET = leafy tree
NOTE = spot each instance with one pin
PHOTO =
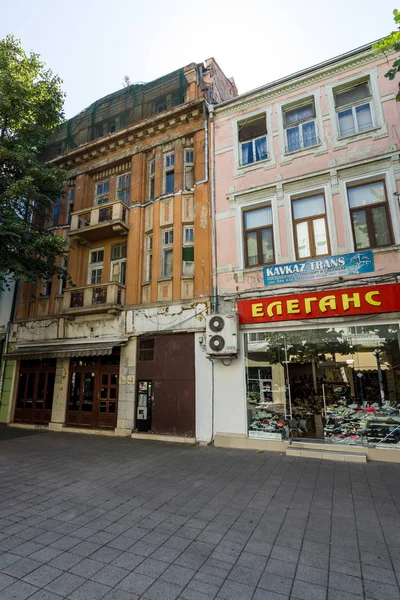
(31, 106)
(391, 43)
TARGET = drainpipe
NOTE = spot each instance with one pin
(214, 296)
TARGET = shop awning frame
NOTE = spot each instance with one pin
(65, 349)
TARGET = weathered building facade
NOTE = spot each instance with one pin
(113, 347)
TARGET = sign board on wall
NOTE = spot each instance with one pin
(316, 305)
(320, 268)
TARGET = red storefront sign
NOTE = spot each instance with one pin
(316, 305)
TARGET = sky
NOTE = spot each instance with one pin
(93, 44)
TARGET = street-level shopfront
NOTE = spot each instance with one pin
(324, 366)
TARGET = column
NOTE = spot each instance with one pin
(127, 386)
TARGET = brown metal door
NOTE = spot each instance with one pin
(35, 392)
(106, 409)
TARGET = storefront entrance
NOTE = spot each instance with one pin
(93, 391)
(339, 384)
(35, 391)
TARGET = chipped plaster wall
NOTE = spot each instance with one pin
(177, 317)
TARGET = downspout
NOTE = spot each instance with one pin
(214, 296)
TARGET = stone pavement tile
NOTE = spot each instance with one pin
(283, 553)
(262, 548)
(339, 595)
(311, 559)
(11, 542)
(265, 595)
(5, 580)
(91, 590)
(152, 567)
(106, 554)
(48, 538)
(8, 559)
(308, 591)
(380, 575)
(42, 576)
(252, 561)
(143, 548)
(110, 575)
(223, 557)
(316, 547)
(120, 595)
(201, 548)
(245, 575)
(189, 594)
(210, 537)
(380, 591)
(128, 561)
(136, 583)
(188, 532)
(65, 543)
(121, 542)
(156, 538)
(281, 567)
(312, 575)
(374, 559)
(190, 560)
(21, 568)
(87, 568)
(346, 583)
(102, 537)
(203, 587)
(65, 584)
(163, 590)
(346, 567)
(20, 590)
(85, 548)
(44, 595)
(344, 553)
(178, 575)
(206, 577)
(46, 554)
(27, 548)
(65, 561)
(275, 583)
(231, 590)
(29, 533)
(288, 541)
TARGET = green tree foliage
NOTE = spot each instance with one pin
(31, 106)
(389, 44)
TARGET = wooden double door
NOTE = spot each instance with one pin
(35, 391)
(93, 392)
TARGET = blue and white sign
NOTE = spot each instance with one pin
(320, 268)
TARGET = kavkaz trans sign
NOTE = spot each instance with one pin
(315, 305)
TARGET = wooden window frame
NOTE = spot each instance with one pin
(125, 189)
(260, 262)
(368, 210)
(310, 228)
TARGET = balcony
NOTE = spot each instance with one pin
(105, 297)
(99, 222)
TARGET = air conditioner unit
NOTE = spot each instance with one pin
(222, 335)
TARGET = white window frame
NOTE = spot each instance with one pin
(300, 125)
(95, 266)
(188, 165)
(286, 157)
(169, 168)
(167, 246)
(126, 188)
(101, 197)
(352, 106)
(148, 270)
(118, 261)
(152, 178)
(380, 127)
(269, 162)
(253, 140)
(188, 266)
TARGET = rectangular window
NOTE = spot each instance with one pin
(300, 127)
(354, 109)
(258, 237)
(62, 282)
(169, 173)
(310, 227)
(56, 211)
(189, 169)
(146, 349)
(46, 288)
(188, 252)
(149, 258)
(370, 218)
(253, 140)
(102, 192)
(124, 188)
(167, 253)
(96, 260)
(118, 263)
(70, 207)
(152, 171)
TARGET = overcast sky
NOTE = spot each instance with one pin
(92, 44)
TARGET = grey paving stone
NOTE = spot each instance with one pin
(259, 548)
(136, 583)
(46, 554)
(231, 590)
(308, 591)
(281, 567)
(346, 567)
(121, 542)
(346, 583)
(20, 590)
(27, 548)
(206, 577)
(203, 587)
(110, 575)
(21, 568)
(65, 561)
(44, 595)
(5, 580)
(7, 559)
(245, 575)
(87, 568)
(178, 575)
(163, 590)
(312, 575)
(85, 548)
(106, 554)
(91, 590)
(275, 583)
(120, 595)
(128, 561)
(189, 594)
(265, 595)
(65, 584)
(143, 548)
(284, 553)
(188, 559)
(42, 576)
(339, 595)
(380, 575)
(380, 591)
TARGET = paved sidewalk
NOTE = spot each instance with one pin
(91, 518)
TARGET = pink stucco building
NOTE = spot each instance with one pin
(307, 175)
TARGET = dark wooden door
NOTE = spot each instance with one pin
(35, 392)
(93, 393)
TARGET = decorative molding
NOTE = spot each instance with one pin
(223, 150)
(123, 168)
